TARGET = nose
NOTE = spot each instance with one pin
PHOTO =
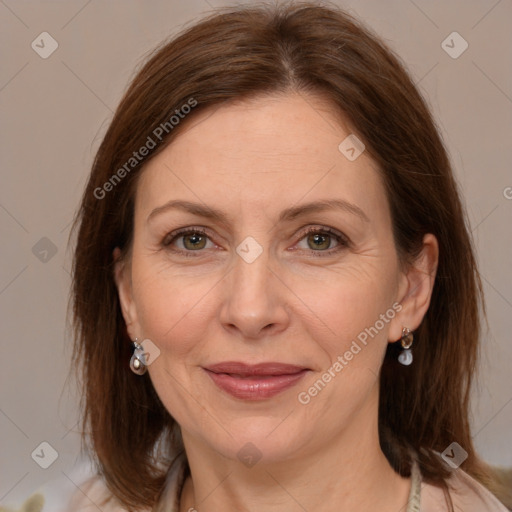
(254, 299)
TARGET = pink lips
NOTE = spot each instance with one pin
(255, 382)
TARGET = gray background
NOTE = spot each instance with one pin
(54, 112)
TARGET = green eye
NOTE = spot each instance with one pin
(323, 240)
(187, 240)
(194, 241)
(317, 241)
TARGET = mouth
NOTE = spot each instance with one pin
(255, 382)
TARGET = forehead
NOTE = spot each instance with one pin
(266, 153)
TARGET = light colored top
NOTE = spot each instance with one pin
(467, 494)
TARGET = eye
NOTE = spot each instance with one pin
(322, 240)
(188, 240)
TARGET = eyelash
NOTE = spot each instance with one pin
(342, 240)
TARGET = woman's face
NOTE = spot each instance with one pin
(224, 270)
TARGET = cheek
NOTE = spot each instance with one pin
(330, 306)
(174, 311)
(351, 303)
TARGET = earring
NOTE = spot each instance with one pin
(405, 356)
(137, 361)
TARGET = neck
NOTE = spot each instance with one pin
(349, 472)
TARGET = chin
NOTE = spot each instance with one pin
(262, 440)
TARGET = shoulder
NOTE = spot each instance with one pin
(467, 495)
(92, 495)
(73, 490)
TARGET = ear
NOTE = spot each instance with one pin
(122, 277)
(415, 289)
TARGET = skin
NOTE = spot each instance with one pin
(296, 303)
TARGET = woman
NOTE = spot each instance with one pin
(275, 291)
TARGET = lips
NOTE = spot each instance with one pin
(261, 369)
(255, 382)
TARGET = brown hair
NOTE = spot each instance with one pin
(238, 53)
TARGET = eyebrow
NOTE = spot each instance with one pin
(286, 215)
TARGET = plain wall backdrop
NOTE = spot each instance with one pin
(54, 111)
